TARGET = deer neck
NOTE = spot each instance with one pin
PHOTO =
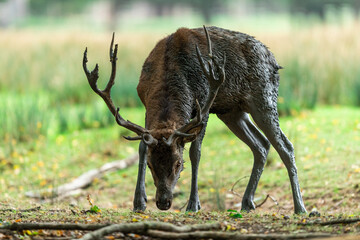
(165, 115)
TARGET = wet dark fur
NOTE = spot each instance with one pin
(169, 94)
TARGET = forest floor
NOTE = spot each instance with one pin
(327, 148)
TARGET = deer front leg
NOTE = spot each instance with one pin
(195, 153)
(140, 197)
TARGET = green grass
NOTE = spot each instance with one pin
(326, 143)
(27, 117)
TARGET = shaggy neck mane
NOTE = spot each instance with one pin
(165, 118)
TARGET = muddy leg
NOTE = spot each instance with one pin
(240, 124)
(195, 153)
(140, 197)
(268, 121)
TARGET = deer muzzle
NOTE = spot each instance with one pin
(163, 199)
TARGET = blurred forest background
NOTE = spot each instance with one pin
(44, 94)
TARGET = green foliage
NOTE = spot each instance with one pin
(23, 117)
(298, 88)
(94, 209)
(27, 117)
(357, 90)
(57, 7)
(234, 214)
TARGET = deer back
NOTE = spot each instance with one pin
(172, 78)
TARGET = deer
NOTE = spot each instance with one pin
(180, 87)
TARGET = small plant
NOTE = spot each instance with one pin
(93, 208)
(234, 214)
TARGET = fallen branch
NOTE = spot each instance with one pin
(169, 231)
(84, 180)
(230, 235)
(144, 227)
(52, 226)
(332, 222)
(156, 230)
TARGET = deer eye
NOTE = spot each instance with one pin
(178, 164)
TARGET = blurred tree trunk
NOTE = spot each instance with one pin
(162, 7)
(206, 12)
(12, 11)
(308, 7)
(207, 8)
(357, 9)
(115, 7)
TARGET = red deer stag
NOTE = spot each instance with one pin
(176, 80)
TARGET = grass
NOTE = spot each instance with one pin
(326, 144)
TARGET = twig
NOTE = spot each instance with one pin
(267, 197)
(260, 204)
(181, 208)
(232, 188)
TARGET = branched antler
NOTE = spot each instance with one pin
(105, 95)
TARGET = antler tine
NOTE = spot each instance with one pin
(93, 75)
(113, 59)
(208, 41)
(176, 134)
(105, 95)
(132, 138)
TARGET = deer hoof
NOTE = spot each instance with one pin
(193, 206)
(300, 210)
(247, 205)
(140, 204)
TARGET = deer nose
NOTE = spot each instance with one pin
(164, 204)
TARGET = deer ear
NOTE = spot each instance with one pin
(195, 131)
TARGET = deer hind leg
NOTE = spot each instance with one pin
(266, 117)
(140, 197)
(240, 124)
